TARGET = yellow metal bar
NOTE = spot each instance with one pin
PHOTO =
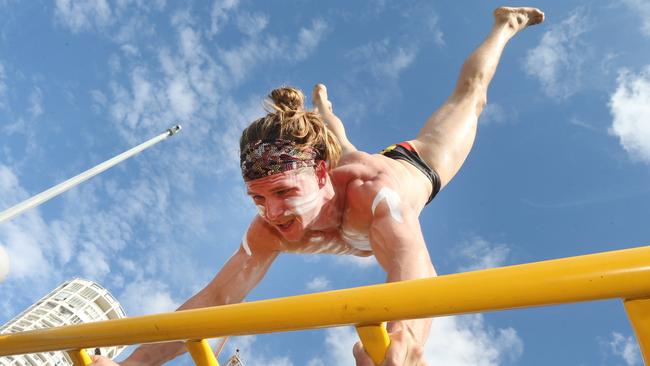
(639, 313)
(618, 274)
(80, 357)
(375, 341)
(201, 353)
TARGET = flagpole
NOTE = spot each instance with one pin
(64, 186)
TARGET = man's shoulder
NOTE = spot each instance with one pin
(363, 176)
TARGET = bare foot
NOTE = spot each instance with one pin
(319, 98)
(518, 18)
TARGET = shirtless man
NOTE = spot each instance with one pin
(317, 194)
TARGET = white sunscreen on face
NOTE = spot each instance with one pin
(302, 205)
(392, 201)
(244, 244)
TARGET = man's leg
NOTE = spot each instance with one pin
(447, 136)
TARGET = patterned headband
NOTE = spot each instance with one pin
(264, 158)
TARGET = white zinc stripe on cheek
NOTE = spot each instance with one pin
(305, 204)
(392, 201)
(244, 244)
(261, 210)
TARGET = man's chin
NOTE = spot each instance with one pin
(294, 235)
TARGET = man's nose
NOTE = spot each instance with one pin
(274, 209)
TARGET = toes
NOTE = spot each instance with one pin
(320, 92)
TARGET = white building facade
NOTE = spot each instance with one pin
(73, 302)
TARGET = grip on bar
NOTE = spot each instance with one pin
(375, 341)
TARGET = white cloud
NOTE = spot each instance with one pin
(630, 108)
(466, 340)
(385, 59)
(641, 8)
(625, 347)
(557, 60)
(319, 283)
(25, 236)
(358, 262)
(453, 341)
(143, 297)
(83, 14)
(478, 253)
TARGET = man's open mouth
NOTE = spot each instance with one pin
(286, 226)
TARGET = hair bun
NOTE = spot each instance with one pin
(287, 99)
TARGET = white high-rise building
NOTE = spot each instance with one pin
(73, 302)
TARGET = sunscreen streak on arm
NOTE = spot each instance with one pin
(392, 200)
(244, 244)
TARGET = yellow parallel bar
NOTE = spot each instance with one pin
(201, 353)
(617, 274)
(80, 357)
(639, 313)
(375, 341)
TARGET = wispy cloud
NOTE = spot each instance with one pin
(630, 108)
(83, 15)
(309, 38)
(384, 58)
(478, 253)
(251, 24)
(219, 15)
(496, 114)
(558, 59)
(642, 9)
(624, 347)
(36, 102)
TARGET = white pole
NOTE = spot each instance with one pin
(62, 187)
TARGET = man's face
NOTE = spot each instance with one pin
(289, 201)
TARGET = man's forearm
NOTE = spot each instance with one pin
(417, 267)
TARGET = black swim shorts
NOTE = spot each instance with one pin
(405, 151)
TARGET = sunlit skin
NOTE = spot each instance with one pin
(309, 210)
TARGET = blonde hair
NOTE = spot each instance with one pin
(287, 119)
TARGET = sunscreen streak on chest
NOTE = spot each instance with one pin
(356, 239)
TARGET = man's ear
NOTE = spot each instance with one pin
(321, 173)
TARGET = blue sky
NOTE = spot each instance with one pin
(560, 165)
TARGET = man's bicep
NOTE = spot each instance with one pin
(399, 245)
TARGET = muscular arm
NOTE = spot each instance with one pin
(237, 277)
(401, 251)
(398, 245)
